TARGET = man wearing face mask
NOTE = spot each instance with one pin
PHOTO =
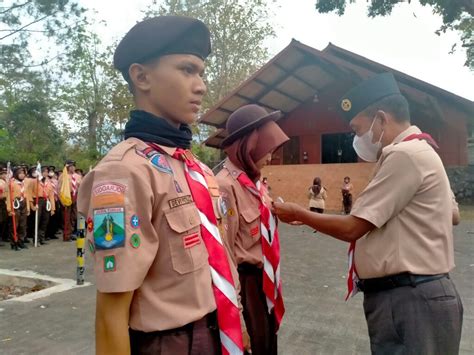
(404, 248)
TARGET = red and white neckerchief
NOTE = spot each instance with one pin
(272, 285)
(44, 186)
(228, 314)
(54, 182)
(22, 189)
(73, 185)
(353, 278)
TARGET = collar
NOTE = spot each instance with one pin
(410, 130)
(232, 169)
(141, 145)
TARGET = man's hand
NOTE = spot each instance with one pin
(286, 212)
(246, 341)
(33, 208)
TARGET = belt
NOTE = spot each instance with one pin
(246, 268)
(394, 281)
(208, 321)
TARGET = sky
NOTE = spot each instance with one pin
(404, 41)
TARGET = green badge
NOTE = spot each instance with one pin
(91, 246)
(135, 240)
(109, 263)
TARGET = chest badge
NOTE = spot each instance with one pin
(221, 207)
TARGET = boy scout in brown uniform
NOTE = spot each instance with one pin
(17, 197)
(43, 191)
(152, 266)
(404, 248)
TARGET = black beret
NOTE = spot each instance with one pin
(162, 35)
(366, 93)
(70, 162)
(17, 169)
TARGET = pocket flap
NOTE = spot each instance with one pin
(250, 214)
(183, 218)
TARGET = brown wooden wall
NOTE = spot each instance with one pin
(291, 182)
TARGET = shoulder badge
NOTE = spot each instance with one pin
(160, 162)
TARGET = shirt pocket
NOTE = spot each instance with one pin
(187, 248)
(249, 226)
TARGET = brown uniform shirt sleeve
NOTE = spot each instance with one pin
(119, 191)
(391, 189)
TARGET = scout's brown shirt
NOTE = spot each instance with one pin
(41, 189)
(14, 188)
(242, 222)
(409, 201)
(161, 255)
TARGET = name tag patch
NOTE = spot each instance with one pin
(109, 228)
(180, 201)
(191, 240)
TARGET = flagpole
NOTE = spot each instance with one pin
(15, 237)
(10, 188)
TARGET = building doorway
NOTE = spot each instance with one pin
(291, 151)
(337, 148)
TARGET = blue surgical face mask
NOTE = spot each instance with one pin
(364, 147)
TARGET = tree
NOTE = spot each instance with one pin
(238, 29)
(33, 35)
(29, 133)
(457, 15)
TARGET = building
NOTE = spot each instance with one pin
(305, 84)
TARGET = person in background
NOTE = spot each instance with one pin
(17, 204)
(43, 191)
(317, 196)
(30, 183)
(70, 212)
(3, 205)
(346, 191)
(54, 224)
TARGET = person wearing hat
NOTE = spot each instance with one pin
(164, 280)
(55, 219)
(69, 213)
(252, 137)
(42, 191)
(399, 229)
(3, 205)
(30, 182)
(17, 197)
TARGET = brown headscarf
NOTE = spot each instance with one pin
(246, 151)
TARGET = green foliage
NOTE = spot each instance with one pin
(29, 133)
(457, 15)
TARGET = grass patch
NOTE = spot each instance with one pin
(467, 212)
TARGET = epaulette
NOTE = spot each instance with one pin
(119, 151)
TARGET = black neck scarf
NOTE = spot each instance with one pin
(150, 128)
